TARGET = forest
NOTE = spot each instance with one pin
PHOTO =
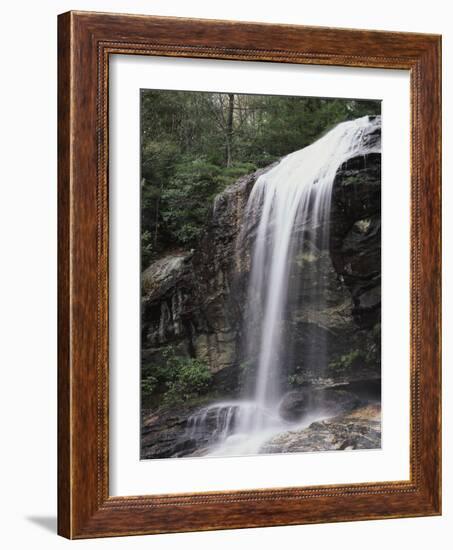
(194, 144)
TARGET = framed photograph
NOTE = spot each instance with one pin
(249, 275)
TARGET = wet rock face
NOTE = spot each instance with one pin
(355, 245)
(182, 431)
(162, 431)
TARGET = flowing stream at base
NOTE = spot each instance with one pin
(295, 194)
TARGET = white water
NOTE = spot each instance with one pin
(293, 200)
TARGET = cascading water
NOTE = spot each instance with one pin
(293, 203)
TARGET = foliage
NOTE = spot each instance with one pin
(194, 144)
(186, 200)
(348, 360)
(299, 376)
(369, 354)
(149, 383)
(294, 380)
(176, 379)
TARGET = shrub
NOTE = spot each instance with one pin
(190, 380)
(186, 199)
(176, 379)
(149, 384)
(347, 361)
(188, 196)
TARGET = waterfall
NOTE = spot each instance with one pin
(288, 209)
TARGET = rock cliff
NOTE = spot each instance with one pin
(194, 300)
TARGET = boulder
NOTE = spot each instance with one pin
(360, 429)
(308, 400)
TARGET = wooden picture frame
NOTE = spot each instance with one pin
(85, 41)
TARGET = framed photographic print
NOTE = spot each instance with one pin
(249, 275)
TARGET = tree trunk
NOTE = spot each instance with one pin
(229, 130)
